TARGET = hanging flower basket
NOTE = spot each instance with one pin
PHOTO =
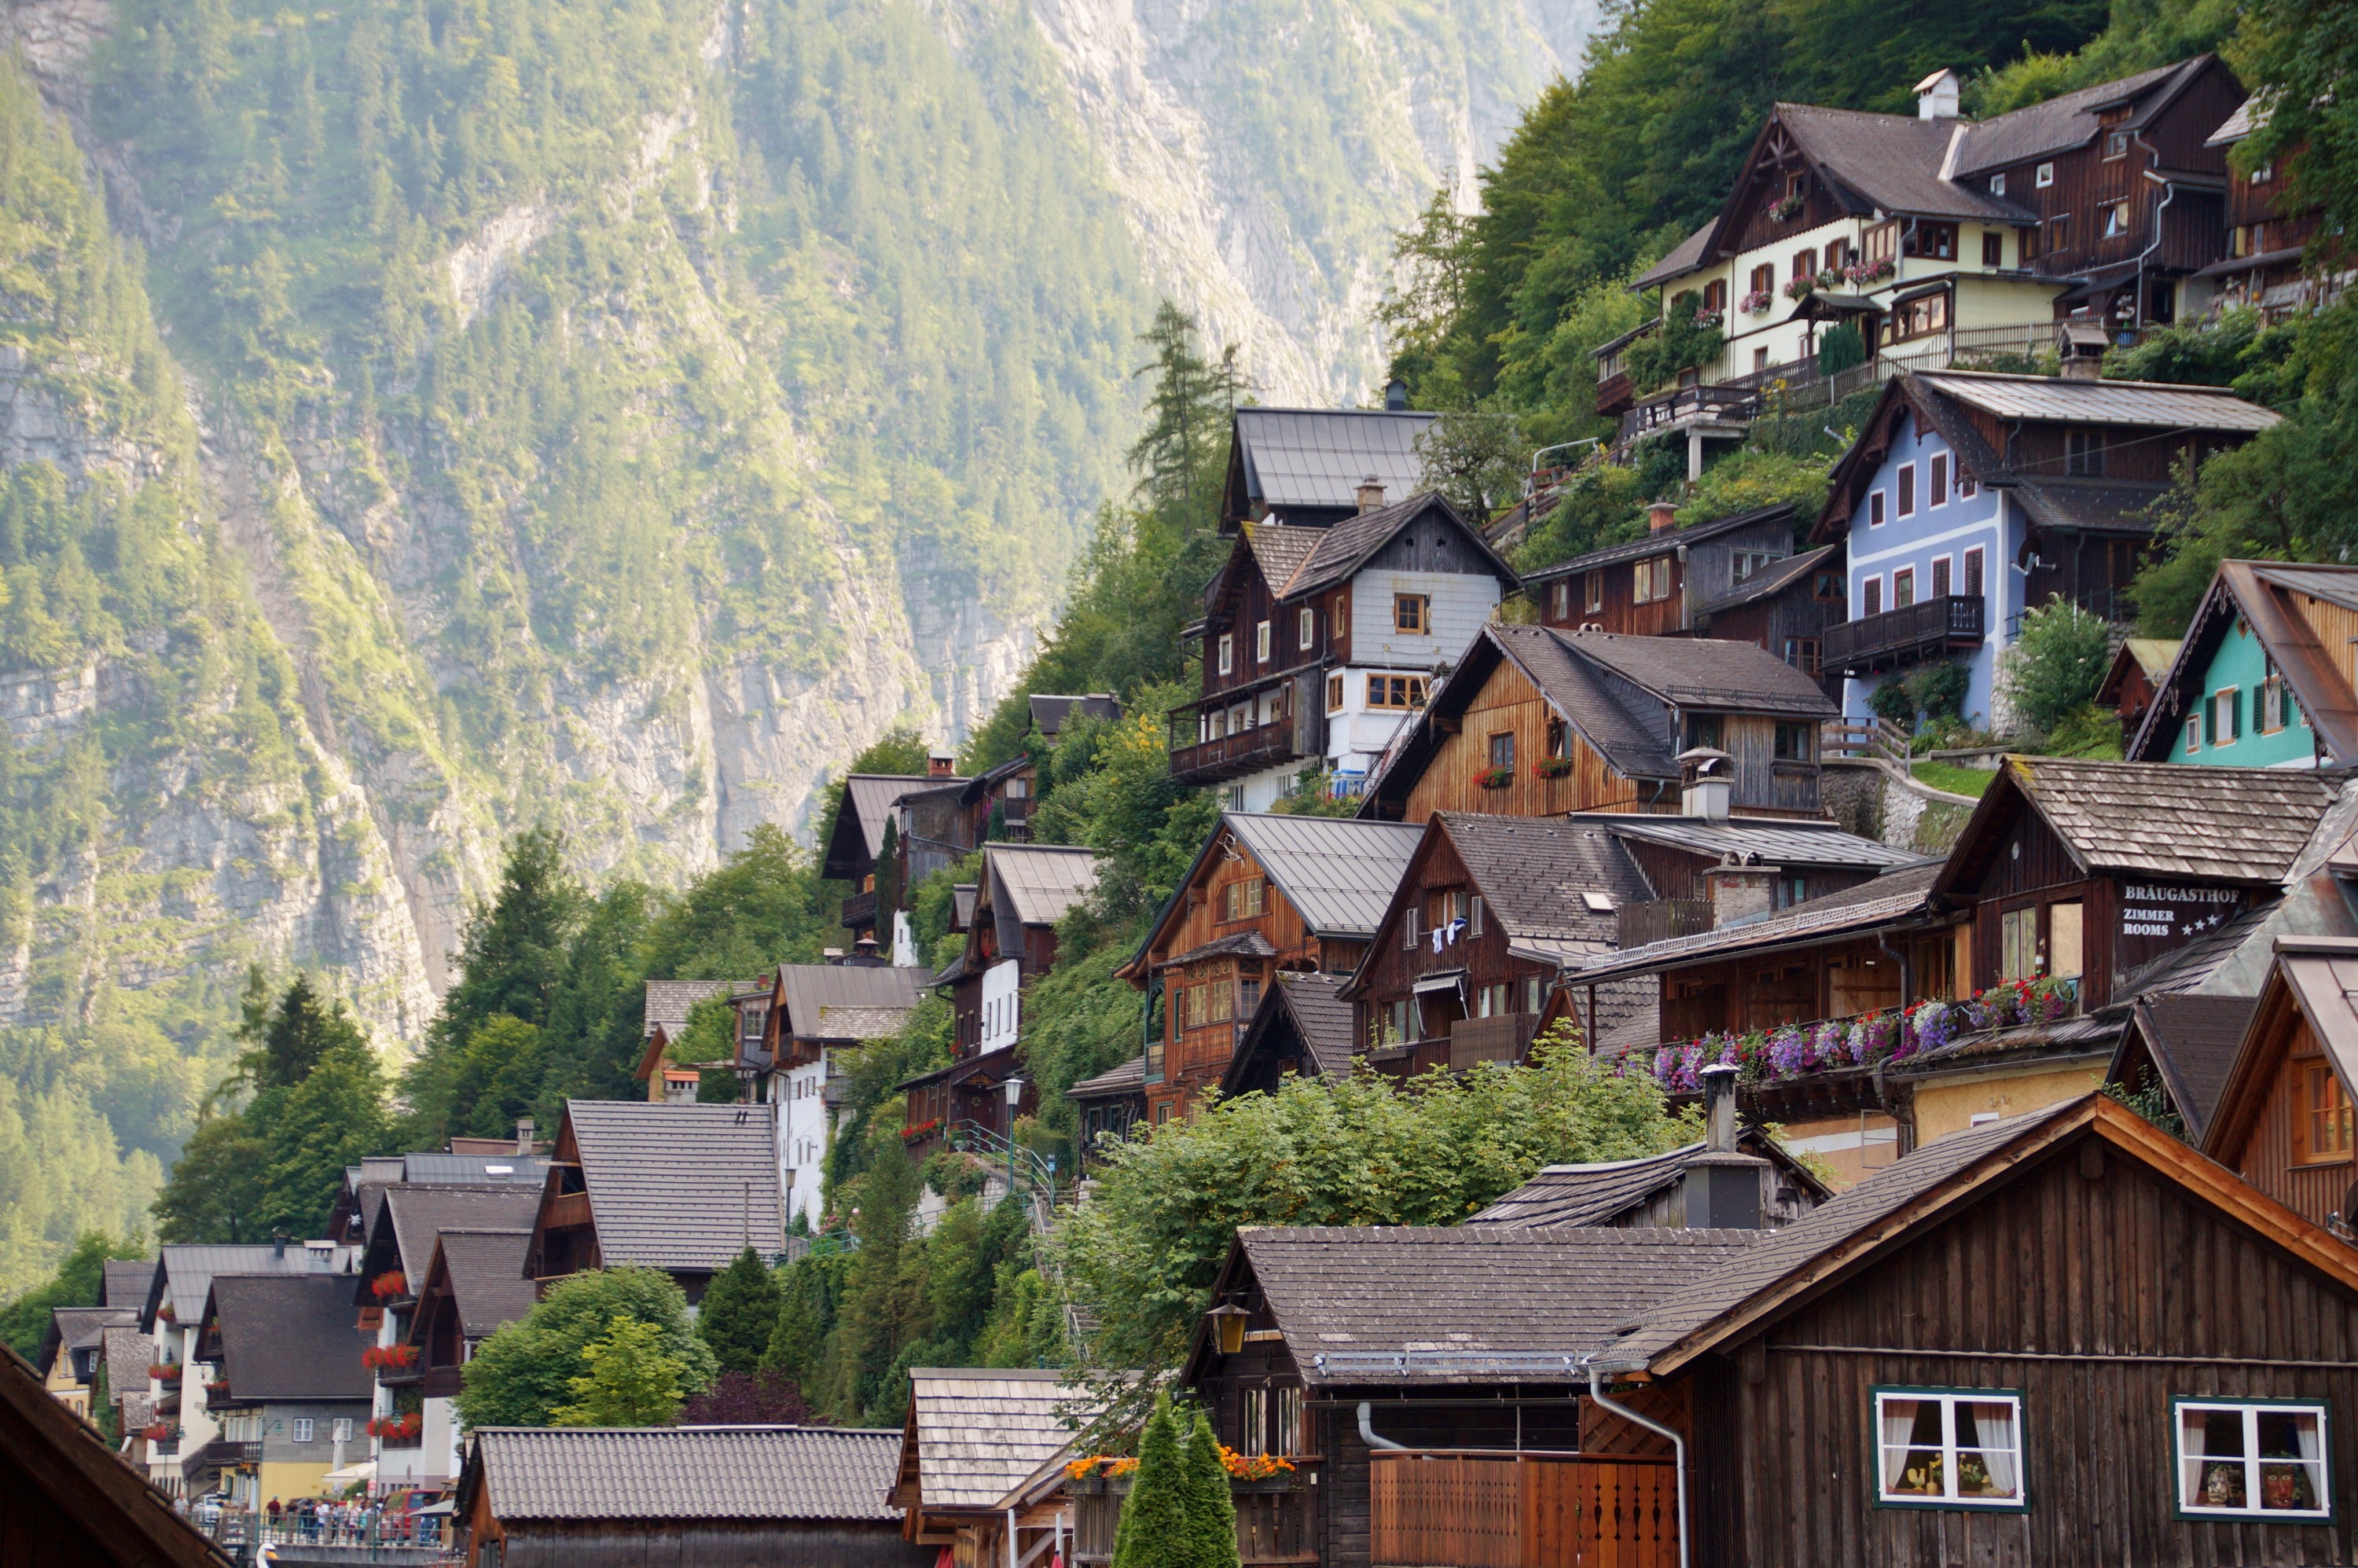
(917, 1133)
(389, 1358)
(1552, 767)
(1757, 301)
(1494, 778)
(391, 1285)
(1800, 288)
(1786, 210)
(166, 1371)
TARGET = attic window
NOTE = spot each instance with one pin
(2044, 176)
(2116, 144)
(1998, 185)
(1597, 903)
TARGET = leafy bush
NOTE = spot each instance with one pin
(1892, 702)
(1938, 692)
(525, 1372)
(2056, 664)
(2088, 732)
(1689, 339)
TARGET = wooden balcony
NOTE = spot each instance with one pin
(860, 912)
(1924, 629)
(566, 1210)
(1276, 1519)
(1234, 755)
(1496, 1509)
(1503, 1038)
(1660, 919)
(1686, 405)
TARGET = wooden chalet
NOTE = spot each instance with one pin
(1935, 235)
(786, 1497)
(474, 1286)
(1737, 579)
(1537, 722)
(291, 1387)
(1266, 894)
(1488, 914)
(2129, 681)
(867, 839)
(1318, 643)
(1110, 1104)
(663, 1022)
(1305, 467)
(684, 1188)
(2263, 265)
(809, 1014)
(1960, 477)
(2283, 1118)
(67, 1502)
(2263, 677)
(1994, 1351)
(1010, 942)
(980, 1472)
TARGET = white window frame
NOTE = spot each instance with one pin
(1309, 626)
(1262, 641)
(342, 1429)
(1227, 649)
(303, 1429)
(2322, 1486)
(2193, 734)
(1949, 1400)
(1877, 510)
(1998, 185)
(2043, 176)
(1909, 573)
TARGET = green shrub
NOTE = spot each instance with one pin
(1892, 702)
(1938, 692)
(1841, 349)
(2058, 662)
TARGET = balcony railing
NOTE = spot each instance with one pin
(1659, 920)
(567, 1209)
(1924, 629)
(1235, 754)
(1501, 1038)
(860, 912)
(1683, 407)
(1461, 1510)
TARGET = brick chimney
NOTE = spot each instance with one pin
(940, 765)
(1370, 493)
(1662, 516)
(1739, 892)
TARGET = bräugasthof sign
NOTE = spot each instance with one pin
(2165, 912)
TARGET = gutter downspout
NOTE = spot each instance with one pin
(1011, 1538)
(1678, 1443)
(2169, 193)
(1368, 1431)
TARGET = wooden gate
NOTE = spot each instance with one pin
(1500, 1510)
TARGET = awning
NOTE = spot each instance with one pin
(361, 1470)
(1447, 981)
(1817, 307)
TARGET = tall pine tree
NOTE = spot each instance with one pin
(740, 1312)
(1153, 1529)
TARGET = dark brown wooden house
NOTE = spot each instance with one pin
(1302, 1027)
(1487, 915)
(2268, 234)
(792, 1496)
(68, 1502)
(1304, 468)
(2283, 1118)
(1537, 722)
(1266, 895)
(866, 837)
(474, 1286)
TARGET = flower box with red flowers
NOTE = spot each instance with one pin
(158, 1431)
(1494, 778)
(391, 1285)
(1552, 767)
(918, 1133)
(166, 1371)
(389, 1358)
(396, 1428)
(217, 1387)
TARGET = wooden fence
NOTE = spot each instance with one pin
(1462, 1509)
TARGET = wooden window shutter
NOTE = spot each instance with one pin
(2235, 714)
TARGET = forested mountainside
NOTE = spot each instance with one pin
(429, 418)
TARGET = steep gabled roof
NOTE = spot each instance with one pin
(126, 1282)
(1542, 879)
(1317, 458)
(288, 1336)
(684, 1187)
(2191, 1040)
(2228, 824)
(815, 993)
(1035, 885)
(413, 1215)
(2264, 596)
(867, 802)
(484, 1271)
(2069, 119)
(1477, 1303)
(1310, 1007)
(1338, 873)
(1894, 162)
(1659, 542)
(185, 1273)
(669, 1001)
(1683, 257)
(974, 1434)
(2314, 980)
(1771, 581)
(1279, 551)
(664, 1473)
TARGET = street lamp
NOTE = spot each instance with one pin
(1014, 1098)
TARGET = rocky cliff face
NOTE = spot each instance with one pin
(617, 415)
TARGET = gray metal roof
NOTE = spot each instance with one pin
(2334, 584)
(813, 990)
(290, 1337)
(1036, 883)
(1895, 895)
(669, 1001)
(1127, 1078)
(474, 1169)
(980, 1433)
(187, 1273)
(657, 1473)
(869, 798)
(1484, 1303)
(1661, 542)
(1049, 711)
(1776, 842)
(2146, 404)
(679, 1186)
(1319, 457)
(1338, 873)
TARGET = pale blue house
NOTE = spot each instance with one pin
(1971, 495)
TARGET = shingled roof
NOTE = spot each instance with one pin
(1705, 674)
(669, 1001)
(2166, 819)
(288, 1336)
(974, 1434)
(485, 1268)
(1471, 1305)
(414, 1215)
(2191, 1040)
(1761, 840)
(684, 1187)
(186, 1272)
(1321, 1016)
(1537, 875)
(817, 994)
(1344, 548)
(1896, 895)
(667, 1473)
(126, 1282)
(1601, 1193)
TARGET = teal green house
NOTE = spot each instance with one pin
(2264, 676)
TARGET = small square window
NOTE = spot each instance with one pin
(2044, 176)
(1998, 185)
(1412, 614)
(2251, 1459)
(1502, 751)
(1948, 1448)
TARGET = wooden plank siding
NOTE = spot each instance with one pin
(2097, 1289)
(1509, 704)
(1390, 971)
